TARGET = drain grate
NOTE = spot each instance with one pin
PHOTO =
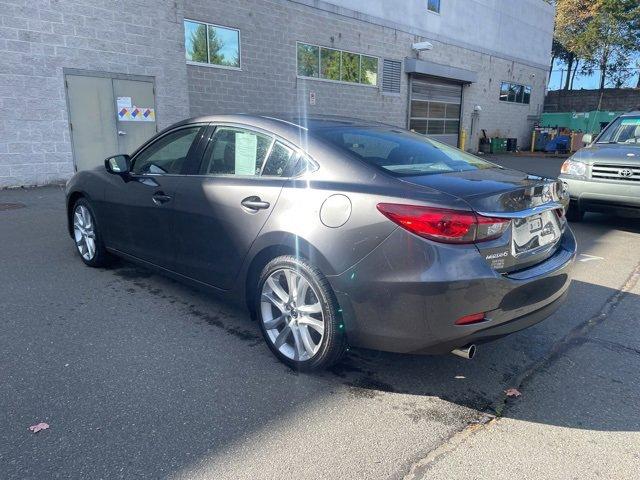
(11, 206)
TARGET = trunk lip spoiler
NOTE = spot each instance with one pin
(529, 212)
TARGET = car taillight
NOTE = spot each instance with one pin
(471, 319)
(444, 225)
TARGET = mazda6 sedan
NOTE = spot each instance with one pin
(334, 232)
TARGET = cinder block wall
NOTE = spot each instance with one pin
(40, 38)
(268, 81)
(612, 99)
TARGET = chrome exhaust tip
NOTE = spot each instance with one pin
(467, 352)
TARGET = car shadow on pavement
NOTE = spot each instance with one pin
(477, 385)
(589, 365)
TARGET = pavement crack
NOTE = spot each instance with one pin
(573, 338)
(418, 469)
(576, 336)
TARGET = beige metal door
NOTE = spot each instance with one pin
(92, 119)
(139, 124)
(108, 116)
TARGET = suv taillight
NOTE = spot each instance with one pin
(444, 225)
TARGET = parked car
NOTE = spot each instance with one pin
(334, 232)
(605, 176)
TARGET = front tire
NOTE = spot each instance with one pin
(299, 315)
(87, 236)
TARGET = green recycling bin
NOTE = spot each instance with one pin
(498, 145)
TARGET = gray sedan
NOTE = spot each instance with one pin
(605, 176)
(334, 232)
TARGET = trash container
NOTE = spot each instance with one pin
(512, 144)
(498, 145)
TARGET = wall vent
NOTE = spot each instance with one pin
(391, 76)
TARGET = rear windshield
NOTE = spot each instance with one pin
(622, 130)
(400, 152)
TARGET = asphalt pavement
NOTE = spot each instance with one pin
(140, 376)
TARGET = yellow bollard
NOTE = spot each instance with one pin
(462, 142)
(533, 141)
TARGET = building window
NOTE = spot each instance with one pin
(433, 6)
(336, 65)
(514, 93)
(211, 44)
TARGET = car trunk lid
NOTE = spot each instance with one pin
(534, 204)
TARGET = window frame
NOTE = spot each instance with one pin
(297, 152)
(515, 86)
(208, 63)
(436, 12)
(319, 77)
(151, 142)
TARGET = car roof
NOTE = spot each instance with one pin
(296, 121)
(632, 113)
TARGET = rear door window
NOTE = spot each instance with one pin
(235, 151)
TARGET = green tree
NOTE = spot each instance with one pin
(602, 33)
(613, 35)
(308, 59)
(215, 46)
(197, 45)
(572, 16)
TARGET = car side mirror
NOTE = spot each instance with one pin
(118, 164)
(587, 138)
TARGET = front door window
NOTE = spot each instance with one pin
(168, 154)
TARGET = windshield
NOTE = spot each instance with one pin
(400, 152)
(622, 130)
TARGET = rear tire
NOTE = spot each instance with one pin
(87, 236)
(574, 214)
(299, 315)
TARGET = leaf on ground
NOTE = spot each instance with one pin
(39, 426)
(513, 392)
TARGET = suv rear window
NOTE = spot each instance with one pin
(400, 152)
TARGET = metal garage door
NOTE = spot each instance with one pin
(435, 109)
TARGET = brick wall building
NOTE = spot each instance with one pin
(486, 68)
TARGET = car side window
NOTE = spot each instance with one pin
(168, 154)
(235, 151)
(280, 161)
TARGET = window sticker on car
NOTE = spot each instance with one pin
(246, 153)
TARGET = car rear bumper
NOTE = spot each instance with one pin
(590, 195)
(406, 295)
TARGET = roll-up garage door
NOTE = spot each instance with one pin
(435, 109)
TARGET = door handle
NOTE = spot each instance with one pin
(121, 133)
(159, 198)
(255, 203)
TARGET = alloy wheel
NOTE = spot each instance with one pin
(292, 314)
(84, 232)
